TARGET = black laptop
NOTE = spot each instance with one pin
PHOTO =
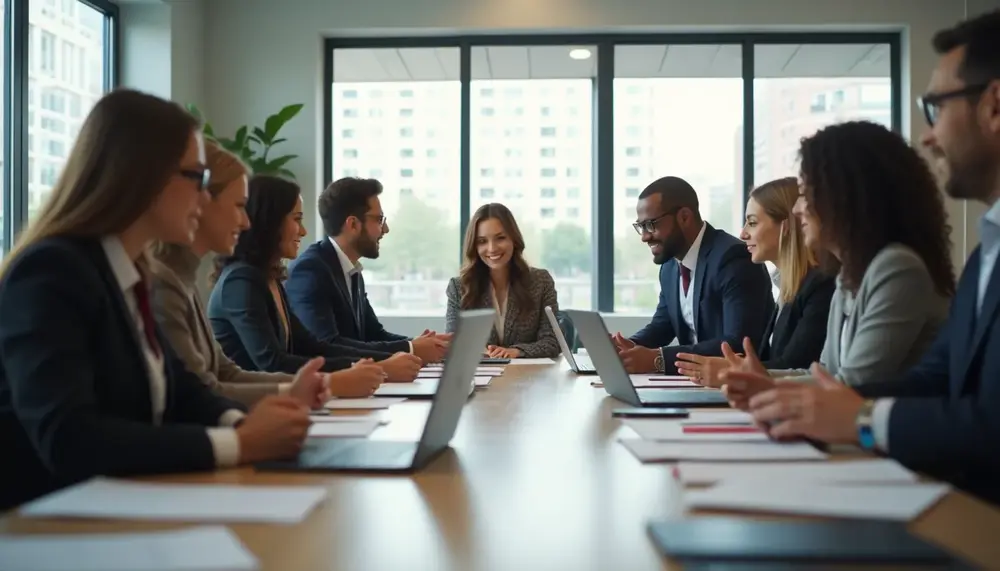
(367, 455)
(595, 337)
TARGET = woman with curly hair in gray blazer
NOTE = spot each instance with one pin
(495, 274)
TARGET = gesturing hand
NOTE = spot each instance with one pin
(309, 386)
(273, 430)
(401, 367)
(360, 381)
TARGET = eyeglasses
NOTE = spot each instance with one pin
(202, 177)
(380, 217)
(931, 102)
(648, 226)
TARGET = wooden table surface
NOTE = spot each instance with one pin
(534, 480)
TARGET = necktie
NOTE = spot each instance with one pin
(146, 312)
(356, 299)
(685, 278)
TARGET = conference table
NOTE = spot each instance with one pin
(534, 479)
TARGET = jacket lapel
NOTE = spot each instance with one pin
(777, 317)
(329, 256)
(510, 318)
(975, 324)
(700, 270)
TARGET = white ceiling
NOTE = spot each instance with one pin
(553, 62)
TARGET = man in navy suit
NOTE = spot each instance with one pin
(710, 289)
(942, 417)
(326, 290)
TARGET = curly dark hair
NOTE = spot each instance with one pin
(269, 200)
(869, 188)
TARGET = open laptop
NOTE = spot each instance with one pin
(617, 383)
(367, 455)
(579, 364)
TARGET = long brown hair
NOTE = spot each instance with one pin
(128, 148)
(795, 259)
(474, 277)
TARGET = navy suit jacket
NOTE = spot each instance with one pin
(320, 296)
(945, 421)
(799, 328)
(731, 299)
(74, 383)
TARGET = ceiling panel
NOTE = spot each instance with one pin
(553, 62)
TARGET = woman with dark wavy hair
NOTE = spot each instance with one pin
(495, 274)
(248, 308)
(870, 207)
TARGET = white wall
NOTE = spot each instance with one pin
(262, 54)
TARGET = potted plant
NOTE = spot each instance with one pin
(254, 144)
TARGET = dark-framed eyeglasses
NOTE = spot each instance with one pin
(648, 226)
(202, 177)
(931, 102)
(380, 217)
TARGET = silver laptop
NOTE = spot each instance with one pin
(366, 455)
(615, 378)
(580, 364)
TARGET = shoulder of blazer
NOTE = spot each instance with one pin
(72, 258)
(313, 252)
(539, 278)
(891, 260)
(164, 276)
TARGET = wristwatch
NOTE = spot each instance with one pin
(658, 363)
(863, 422)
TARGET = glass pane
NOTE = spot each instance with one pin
(799, 89)
(396, 115)
(3, 129)
(678, 111)
(66, 77)
(532, 124)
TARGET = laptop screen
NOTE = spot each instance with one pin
(595, 337)
(563, 345)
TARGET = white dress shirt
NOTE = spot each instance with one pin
(989, 242)
(225, 442)
(690, 261)
(501, 314)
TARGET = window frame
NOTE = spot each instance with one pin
(602, 229)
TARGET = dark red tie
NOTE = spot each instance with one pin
(146, 311)
(685, 278)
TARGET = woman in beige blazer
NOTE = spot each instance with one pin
(180, 312)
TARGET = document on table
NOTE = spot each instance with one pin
(426, 373)
(372, 403)
(667, 429)
(891, 502)
(713, 417)
(120, 499)
(482, 381)
(418, 387)
(660, 381)
(526, 361)
(356, 429)
(882, 471)
(202, 548)
(660, 451)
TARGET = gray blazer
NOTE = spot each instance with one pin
(524, 328)
(181, 315)
(885, 328)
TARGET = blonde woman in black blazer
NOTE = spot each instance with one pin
(496, 275)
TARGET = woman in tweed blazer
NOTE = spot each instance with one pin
(496, 275)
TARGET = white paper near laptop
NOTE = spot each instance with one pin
(666, 429)
(890, 502)
(373, 403)
(663, 451)
(202, 548)
(356, 429)
(119, 499)
(882, 471)
(528, 361)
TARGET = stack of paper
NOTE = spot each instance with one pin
(482, 381)
(118, 499)
(363, 404)
(881, 471)
(436, 372)
(901, 503)
(660, 451)
(343, 429)
(526, 361)
(666, 429)
(663, 382)
(206, 548)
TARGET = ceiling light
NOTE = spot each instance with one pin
(579, 53)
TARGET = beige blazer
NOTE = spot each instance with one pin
(181, 315)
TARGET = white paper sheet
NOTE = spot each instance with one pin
(437, 373)
(663, 382)
(482, 381)
(657, 451)
(526, 361)
(667, 429)
(356, 429)
(491, 371)
(430, 373)
(348, 418)
(202, 548)
(882, 471)
(118, 499)
(365, 404)
(891, 502)
(417, 387)
(718, 417)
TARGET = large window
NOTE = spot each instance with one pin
(678, 110)
(531, 121)
(394, 119)
(567, 131)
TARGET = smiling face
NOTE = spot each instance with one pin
(494, 246)
(292, 232)
(223, 218)
(761, 233)
(667, 239)
(373, 227)
(175, 212)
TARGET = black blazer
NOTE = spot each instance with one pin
(319, 295)
(800, 326)
(944, 420)
(74, 384)
(247, 325)
(732, 299)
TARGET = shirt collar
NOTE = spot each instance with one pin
(126, 273)
(989, 225)
(345, 262)
(690, 260)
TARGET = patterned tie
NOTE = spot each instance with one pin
(146, 311)
(685, 278)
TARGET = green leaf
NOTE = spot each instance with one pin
(290, 111)
(276, 141)
(275, 122)
(241, 136)
(286, 173)
(262, 136)
(207, 131)
(278, 163)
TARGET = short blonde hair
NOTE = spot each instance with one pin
(777, 198)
